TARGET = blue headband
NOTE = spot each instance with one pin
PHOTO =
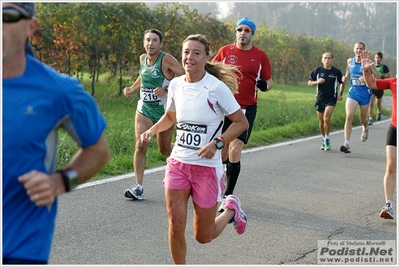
(247, 22)
(29, 7)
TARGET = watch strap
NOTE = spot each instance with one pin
(70, 179)
(65, 180)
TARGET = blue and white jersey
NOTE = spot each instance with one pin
(358, 89)
(355, 73)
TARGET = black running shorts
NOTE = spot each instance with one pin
(250, 113)
(378, 93)
(391, 136)
(322, 103)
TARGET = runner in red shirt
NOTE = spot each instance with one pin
(390, 171)
(256, 73)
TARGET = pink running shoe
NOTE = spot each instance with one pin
(240, 218)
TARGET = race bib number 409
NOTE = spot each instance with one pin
(191, 136)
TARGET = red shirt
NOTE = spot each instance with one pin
(254, 64)
(385, 84)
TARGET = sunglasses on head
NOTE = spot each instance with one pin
(11, 15)
(245, 30)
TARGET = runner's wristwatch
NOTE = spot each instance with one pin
(219, 143)
(70, 179)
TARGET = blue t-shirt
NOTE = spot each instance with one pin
(355, 73)
(35, 106)
(358, 89)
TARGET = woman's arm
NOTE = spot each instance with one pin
(164, 123)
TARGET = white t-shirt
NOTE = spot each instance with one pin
(200, 109)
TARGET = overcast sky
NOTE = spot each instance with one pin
(224, 9)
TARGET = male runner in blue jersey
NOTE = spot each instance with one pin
(359, 95)
(36, 102)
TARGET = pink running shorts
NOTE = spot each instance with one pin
(206, 187)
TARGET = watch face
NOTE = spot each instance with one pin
(219, 144)
(73, 178)
(72, 174)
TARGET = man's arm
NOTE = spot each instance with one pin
(269, 84)
(341, 90)
(312, 76)
(266, 72)
(347, 73)
(136, 84)
(170, 68)
(43, 188)
(314, 83)
(127, 91)
(89, 160)
(172, 65)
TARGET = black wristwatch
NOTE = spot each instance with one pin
(219, 143)
(70, 179)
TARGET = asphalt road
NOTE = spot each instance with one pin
(293, 193)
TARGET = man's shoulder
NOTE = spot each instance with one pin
(335, 69)
(317, 70)
(168, 56)
(39, 67)
(385, 67)
(227, 47)
(142, 56)
(258, 50)
(223, 52)
(51, 76)
(171, 63)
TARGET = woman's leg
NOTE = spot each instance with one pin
(176, 207)
(206, 226)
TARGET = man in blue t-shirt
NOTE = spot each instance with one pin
(326, 78)
(37, 101)
(359, 95)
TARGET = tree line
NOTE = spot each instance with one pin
(77, 38)
(374, 23)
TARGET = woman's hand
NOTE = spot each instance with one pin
(145, 137)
